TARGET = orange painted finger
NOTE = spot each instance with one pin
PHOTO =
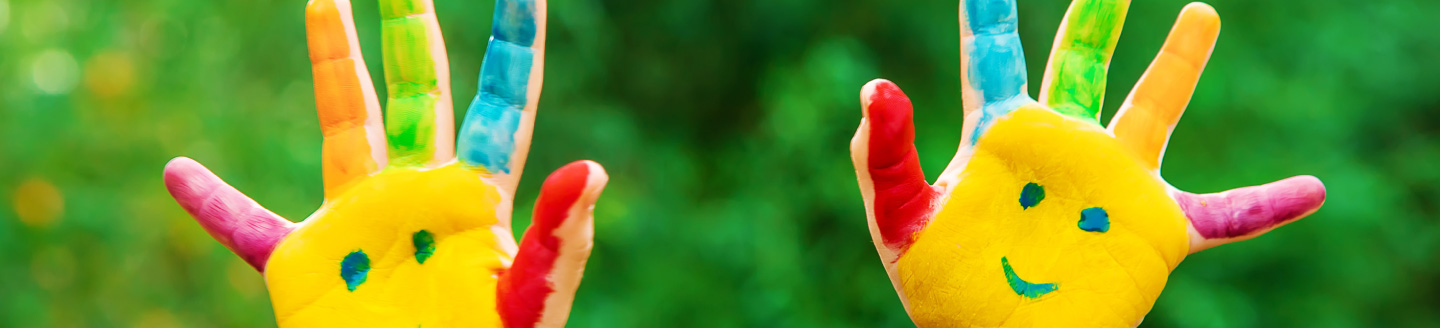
(349, 110)
(1148, 116)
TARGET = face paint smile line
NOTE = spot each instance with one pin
(1022, 287)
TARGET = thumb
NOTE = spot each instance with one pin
(1244, 213)
(539, 287)
(233, 219)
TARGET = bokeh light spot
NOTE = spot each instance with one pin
(54, 72)
(38, 203)
(157, 318)
(109, 74)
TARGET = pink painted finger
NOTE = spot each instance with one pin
(889, 167)
(1243, 213)
(539, 288)
(234, 220)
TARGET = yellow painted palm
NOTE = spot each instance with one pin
(410, 234)
(1044, 217)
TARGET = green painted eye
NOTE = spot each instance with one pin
(424, 245)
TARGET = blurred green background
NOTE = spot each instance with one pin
(724, 126)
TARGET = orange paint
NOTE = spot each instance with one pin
(1144, 122)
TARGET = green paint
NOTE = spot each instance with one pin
(1078, 66)
(1020, 286)
(410, 129)
(414, 87)
(1031, 195)
(400, 8)
(424, 245)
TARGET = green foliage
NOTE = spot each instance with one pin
(724, 126)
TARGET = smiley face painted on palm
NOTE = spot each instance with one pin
(403, 247)
(1051, 213)
(1045, 217)
(415, 227)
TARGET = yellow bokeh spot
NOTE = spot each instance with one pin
(38, 203)
(109, 74)
(157, 318)
(952, 274)
(455, 287)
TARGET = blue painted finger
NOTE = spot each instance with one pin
(487, 136)
(995, 65)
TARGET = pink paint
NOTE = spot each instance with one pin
(1250, 210)
(231, 218)
(523, 289)
(903, 200)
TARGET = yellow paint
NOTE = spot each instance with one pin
(952, 275)
(454, 288)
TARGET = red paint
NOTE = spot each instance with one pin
(523, 289)
(903, 200)
(236, 221)
(1245, 211)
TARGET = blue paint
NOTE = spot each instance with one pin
(487, 137)
(354, 268)
(1021, 287)
(1031, 195)
(424, 245)
(514, 22)
(1094, 219)
(991, 111)
(997, 62)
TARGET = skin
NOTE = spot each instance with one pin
(409, 234)
(1044, 217)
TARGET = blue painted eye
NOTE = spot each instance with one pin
(1094, 219)
(354, 268)
(1031, 195)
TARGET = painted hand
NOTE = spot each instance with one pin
(425, 239)
(1044, 217)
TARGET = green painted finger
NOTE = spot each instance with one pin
(1074, 82)
(419, 116)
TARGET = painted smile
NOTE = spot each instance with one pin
(1022, 287)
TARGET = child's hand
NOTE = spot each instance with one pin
(1045, 218)
(424, 240)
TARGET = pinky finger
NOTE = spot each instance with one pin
(538, 289)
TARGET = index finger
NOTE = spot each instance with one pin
(1074, 82)
(349, 111)
(1146, 118)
